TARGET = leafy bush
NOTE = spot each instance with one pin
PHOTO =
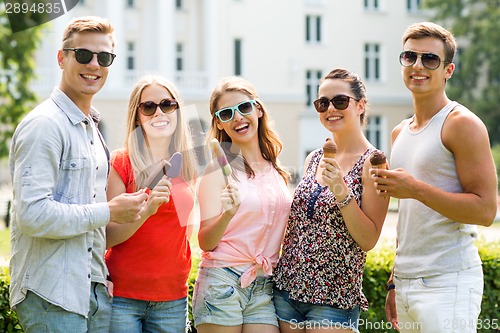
(8, 318)
(377, 272)
(191, 281)
(490, 306)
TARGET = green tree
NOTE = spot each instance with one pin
(476, 81)
(17, 66)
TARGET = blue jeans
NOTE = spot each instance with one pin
(36, 315)
(137, 316)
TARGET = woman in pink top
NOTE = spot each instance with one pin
(243, 216)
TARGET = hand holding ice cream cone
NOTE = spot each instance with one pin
(378, 160)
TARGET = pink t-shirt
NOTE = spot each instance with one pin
(253, 236)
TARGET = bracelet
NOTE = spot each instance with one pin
(346, 200)
(391, 286)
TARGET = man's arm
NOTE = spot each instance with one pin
(35, 166)
(466, 137)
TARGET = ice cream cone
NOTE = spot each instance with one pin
(329, 148)
(378, 160)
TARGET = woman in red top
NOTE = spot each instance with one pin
(149, 261)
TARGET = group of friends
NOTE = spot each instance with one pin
(96, 249)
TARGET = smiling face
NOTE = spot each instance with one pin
(80, 82)
(159, 126)
(241, 129)
(420, 80)
(334, 119)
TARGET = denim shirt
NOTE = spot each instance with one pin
(54, 212)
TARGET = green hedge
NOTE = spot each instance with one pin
(378, 265)
(8, 318)
(377, 271)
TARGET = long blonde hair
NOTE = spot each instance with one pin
(136, 142)
(269, 142)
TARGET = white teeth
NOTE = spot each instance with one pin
(160, 124)
(419, 77)
(90, 77)
(241, 127)
(334, 118)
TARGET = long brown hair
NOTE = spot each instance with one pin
(269, 142)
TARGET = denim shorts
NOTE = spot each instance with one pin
(301, 315)
(219, 299)
(136, 316)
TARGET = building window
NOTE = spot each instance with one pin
(372, 62)
(372, 5)
(179, 55)
(375, 132)
(413, 6)
(130, 55)
(178, 4)
(313, 29)
(237, 56)
(312, 84)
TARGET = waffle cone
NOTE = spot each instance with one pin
(329, 153)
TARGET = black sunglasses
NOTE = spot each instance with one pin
(429, 60)
(84, 56)
(243, 108)
(340, 102)
(166, 105)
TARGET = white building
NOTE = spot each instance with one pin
(282, 46)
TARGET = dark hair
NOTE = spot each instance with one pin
(357, 86)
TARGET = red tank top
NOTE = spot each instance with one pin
(154, 263)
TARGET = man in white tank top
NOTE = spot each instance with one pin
(444, 177)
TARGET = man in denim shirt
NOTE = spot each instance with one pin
(59, 167)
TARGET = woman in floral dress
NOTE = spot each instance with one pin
(336, 217)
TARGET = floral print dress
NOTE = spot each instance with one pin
(321, 263)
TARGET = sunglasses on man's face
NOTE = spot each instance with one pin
(340, 102)
(243, 108)
(166, 105)
(429, 60)
(84, 56)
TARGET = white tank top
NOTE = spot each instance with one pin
(429, 243)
